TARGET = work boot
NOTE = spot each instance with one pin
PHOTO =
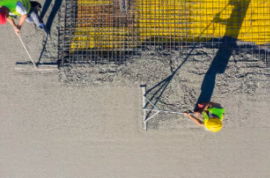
(44, 28)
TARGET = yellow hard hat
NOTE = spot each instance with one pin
(213, 124)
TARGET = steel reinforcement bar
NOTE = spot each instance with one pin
(102, 31)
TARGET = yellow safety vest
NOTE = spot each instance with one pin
(11, 5)
(216, 111)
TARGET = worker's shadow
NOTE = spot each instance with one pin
(55, 9)
(219, 63)
(50, 20)
(226, 47)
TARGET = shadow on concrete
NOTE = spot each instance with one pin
(44, 47)
(54, 11)
(226, 48)
(50, 20)
(162, 86)
(219, 63)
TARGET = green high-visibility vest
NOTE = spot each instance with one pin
(11, 5)
(216, 111)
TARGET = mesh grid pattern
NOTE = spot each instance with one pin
(113, 30)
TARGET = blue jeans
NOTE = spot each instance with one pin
(32, 16)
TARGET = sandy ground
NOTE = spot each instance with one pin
(87, 122)
(243, 89)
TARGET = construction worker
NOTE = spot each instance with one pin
(10, 9)
(211, 114)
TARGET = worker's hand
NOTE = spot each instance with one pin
(186, 113)
(197, 114)
(17, 30)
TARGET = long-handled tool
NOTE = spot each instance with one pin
(34, 64)
(154, 109)
(40, 66)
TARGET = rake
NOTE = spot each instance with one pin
(36, 67)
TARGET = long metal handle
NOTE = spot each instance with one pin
(35, 66)
(157, 110)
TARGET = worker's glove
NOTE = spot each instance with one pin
(197, 114)
(187, 113)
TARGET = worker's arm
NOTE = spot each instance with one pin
(210, 104)
(12, 23)
(22, 11)
(207, 105)
(194, 119)
(22, 20)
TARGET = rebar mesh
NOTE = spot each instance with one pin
(113, 30)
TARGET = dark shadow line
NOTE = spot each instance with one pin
(171, 76)
(44, 47)
(50, 20)
(56, 7)
(165, 84)
(45, 8)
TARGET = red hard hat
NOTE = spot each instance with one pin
(3, 16)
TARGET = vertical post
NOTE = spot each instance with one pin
(143, 105)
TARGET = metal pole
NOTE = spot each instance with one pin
(174, 112)
(150, 102)
(35, 66)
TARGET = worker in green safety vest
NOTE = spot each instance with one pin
(10, 9)
(208, 115)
